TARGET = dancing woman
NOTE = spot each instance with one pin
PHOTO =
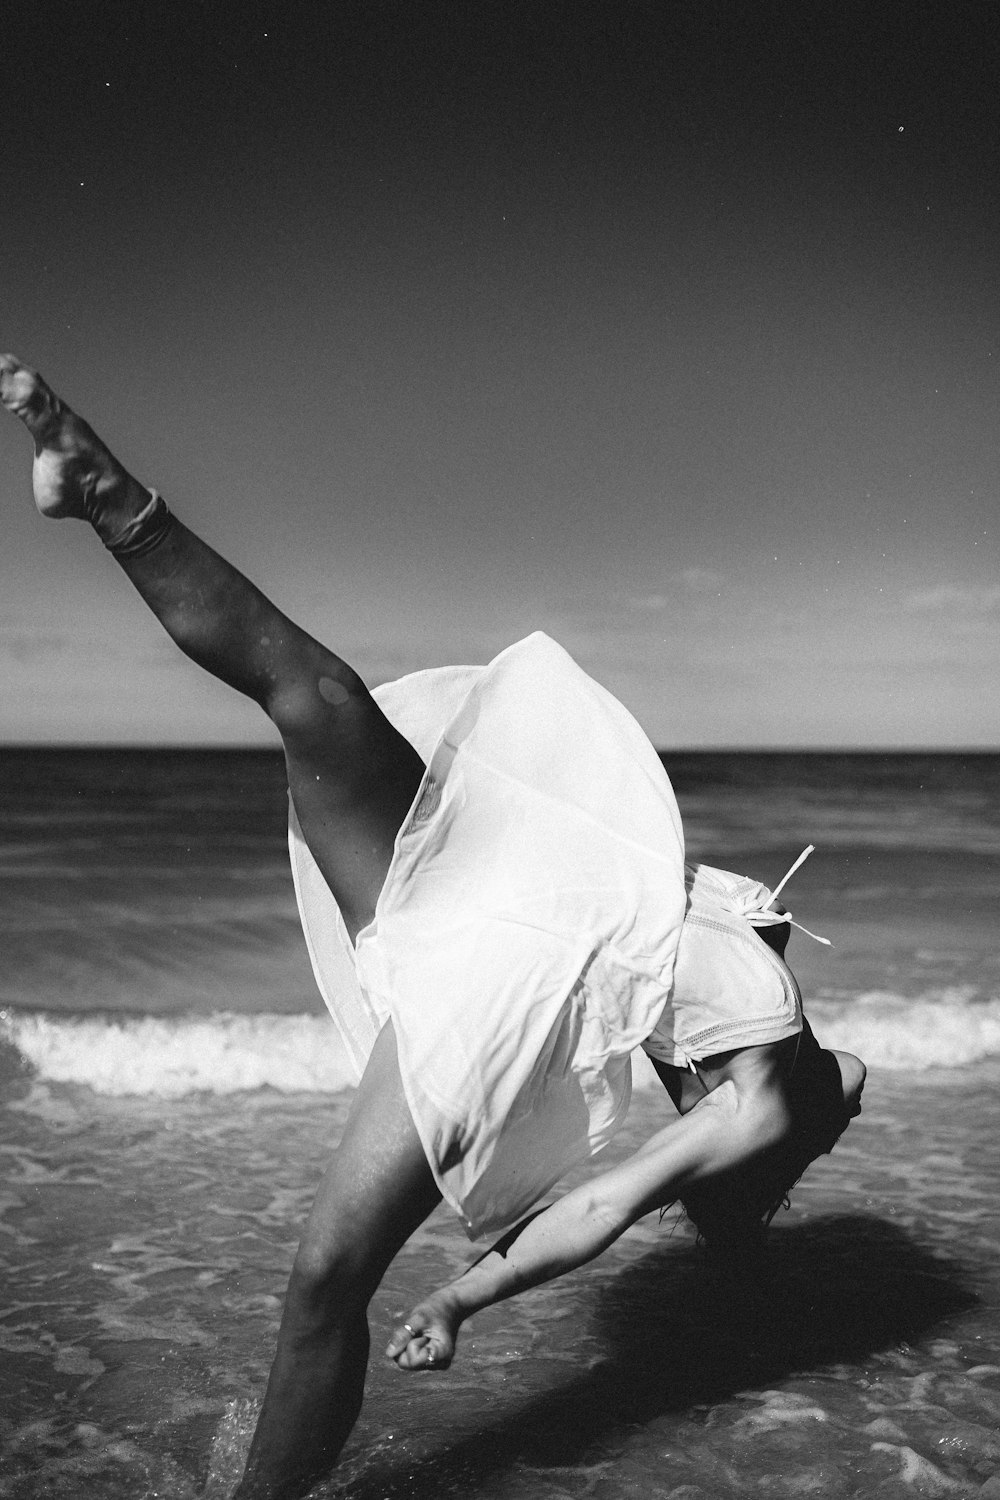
(489, 864)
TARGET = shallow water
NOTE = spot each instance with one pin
(150, 937)
(170, 1089)
(146, 1248)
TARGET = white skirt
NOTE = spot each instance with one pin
(524, 940)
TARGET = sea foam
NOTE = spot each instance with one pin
(172, 1056)
(949, 1027)
(226, 1053)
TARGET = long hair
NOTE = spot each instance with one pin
(732, 1212)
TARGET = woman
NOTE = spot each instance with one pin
(495, 930)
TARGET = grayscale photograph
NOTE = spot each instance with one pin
(499, 750)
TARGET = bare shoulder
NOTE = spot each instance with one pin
(763, 1071)
(852, 1077)
(722, 1099)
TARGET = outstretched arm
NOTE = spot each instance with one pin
(723, 1131)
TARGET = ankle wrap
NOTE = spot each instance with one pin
(145, 532)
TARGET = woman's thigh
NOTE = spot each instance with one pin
(352, 779)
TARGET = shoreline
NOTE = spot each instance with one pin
(942, 1034)
(151, 1240)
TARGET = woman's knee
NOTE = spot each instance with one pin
(319, 707)
(330, 1282)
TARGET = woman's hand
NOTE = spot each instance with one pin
(426, 1341)
(730, 1126)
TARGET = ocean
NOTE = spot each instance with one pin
(170, 1087)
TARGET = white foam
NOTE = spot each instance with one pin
(169, 1057)
(226, 1053)
(944, 1028)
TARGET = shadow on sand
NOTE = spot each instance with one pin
(676, 1334)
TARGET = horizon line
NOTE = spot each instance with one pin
(237, 747)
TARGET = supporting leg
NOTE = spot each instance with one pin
(376, 1192)
(351, 775)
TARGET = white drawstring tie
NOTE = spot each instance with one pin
(772, 918)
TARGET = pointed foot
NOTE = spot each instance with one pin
(73, 470)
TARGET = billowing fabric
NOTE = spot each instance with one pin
(525, 937)
(730, 989)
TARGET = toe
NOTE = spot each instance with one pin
(23, 391)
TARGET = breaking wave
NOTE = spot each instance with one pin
(226, 1053)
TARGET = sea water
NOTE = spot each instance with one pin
(170, 1088)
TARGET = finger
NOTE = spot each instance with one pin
(420, 1355)
(414, 1356)
(401, 1337)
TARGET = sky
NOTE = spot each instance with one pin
(668, 328)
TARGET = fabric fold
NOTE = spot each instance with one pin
(524, 940)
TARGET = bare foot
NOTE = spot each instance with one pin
(74, 474)
(426, 1341)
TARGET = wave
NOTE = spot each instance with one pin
(226, 1053)
(168, 1057)
(949, 1027)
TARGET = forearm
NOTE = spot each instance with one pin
(718, 1135)
(714, 1138)
(561, 1237)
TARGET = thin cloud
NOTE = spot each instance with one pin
(23, 647)
(688, 581)
(702, 580)
(955, 599)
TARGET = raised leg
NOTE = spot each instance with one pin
(376, 1192)
(352, 776)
